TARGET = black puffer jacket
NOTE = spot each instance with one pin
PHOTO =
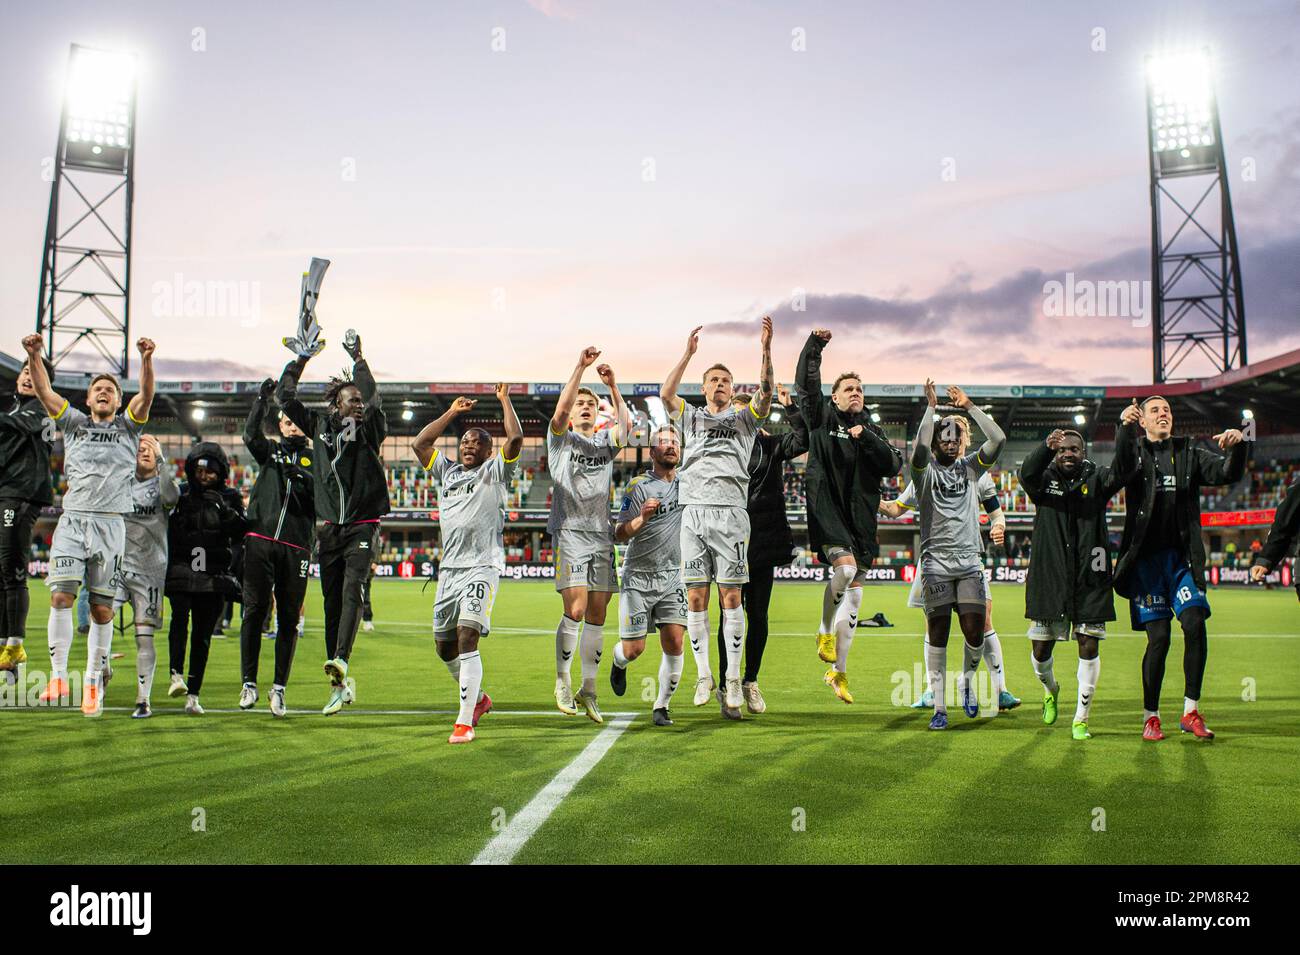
(844, 472)
(203, 528)
(1070, 571)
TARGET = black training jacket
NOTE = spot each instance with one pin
(24, 452)
(1282, 535)
(203, 529)
(844, 473)
(282, 505)
(1070, 569)
(350, 482)
(770, 540)
(1195, 468)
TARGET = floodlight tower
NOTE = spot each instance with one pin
(86, 263)
(1196, 303)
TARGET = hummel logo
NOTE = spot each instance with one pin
(464, 692)
(566, 655)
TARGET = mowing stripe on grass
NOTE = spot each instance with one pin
(178, 711)
(505, 845)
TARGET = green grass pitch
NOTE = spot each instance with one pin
(812, 780)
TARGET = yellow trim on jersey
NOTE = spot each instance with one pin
(59, 414)
(633, 483)
(979, 459)
(681, 408)
(753, 410)
(905, 506)
(560, 434)
(502, 452)
(433, 457)
(134, 418)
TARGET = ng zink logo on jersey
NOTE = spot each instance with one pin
(76, 908)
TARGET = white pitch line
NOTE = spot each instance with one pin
(208, 709)
(861, 631)
(505, 845)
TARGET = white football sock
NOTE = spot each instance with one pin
(453, 667)
(970, 666)
(590, 649)
(471, 681)
(1189, 705)
(1147, 714)
(936, 665)
(14, 642)
(838, 582)
(733, 639)
(1043, 669)
(59, 629)
(697, 628)
(566, 641)
(670, 673)
(1088, 670)
(302, 622)
(98, 646)
(620, 658)
(146, 661)
(993, 660)
(846, 619)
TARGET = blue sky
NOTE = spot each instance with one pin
(621, 172)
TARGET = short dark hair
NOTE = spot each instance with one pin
(717, 367)
(844, 376)
(1076, 434)
(483, 431)
(668, 427)
(1142, 405)
(49, 369)
(584, 390)
(105, 376)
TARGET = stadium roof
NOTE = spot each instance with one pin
(1202, 406)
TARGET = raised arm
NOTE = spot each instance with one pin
(622, 417)
(1034, 467)
(668, 392)
(286, 395)
(794, 442)
(361, 374)
(49, 398)
(569, 394)
(139, 407)
(925, 433)
(808, 377)
(424, 444)
(1124, 467)
(994, 438)
(255, 427)
(762, 400)
(514, 430)
(1215, 469)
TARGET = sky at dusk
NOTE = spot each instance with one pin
(620, 172)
